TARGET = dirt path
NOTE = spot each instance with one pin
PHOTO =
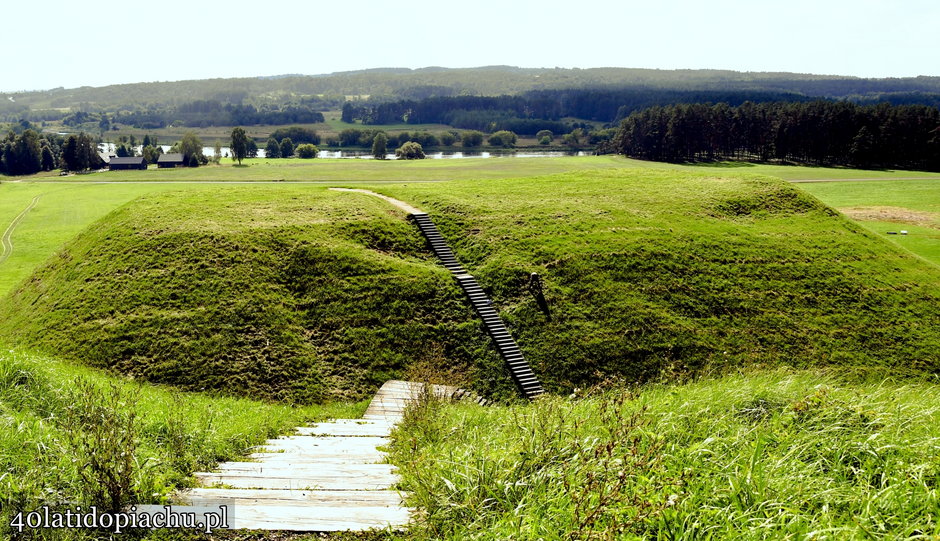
(400, 204)
(6, 244)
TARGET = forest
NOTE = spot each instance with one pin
(818, 132)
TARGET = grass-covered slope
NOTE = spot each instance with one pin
(296, 294)
(650, 272)
(766, 455)
(302, 294)
(73, 434)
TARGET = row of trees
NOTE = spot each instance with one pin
(205, 113)
(355, 137)
(198, 114)
(819, 132)
(29, 152)
(533, 111)
(289, 141)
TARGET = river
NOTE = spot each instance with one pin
(366, 155)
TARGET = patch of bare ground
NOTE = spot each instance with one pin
(893, 214)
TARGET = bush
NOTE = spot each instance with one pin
(410, 151)
(448, 139)
(306, 151)
(103, 432)
(502, 138)
(472, 138)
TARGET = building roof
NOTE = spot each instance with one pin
(137, 160)
(106, 157)
(170, 158)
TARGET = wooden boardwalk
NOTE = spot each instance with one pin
(326, 477)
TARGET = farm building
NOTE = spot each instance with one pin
(127, 163)
(170, 160)
(106, 157)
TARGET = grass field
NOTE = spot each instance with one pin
(890, 205)
(332, 170)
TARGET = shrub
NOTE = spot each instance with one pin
(472, 138)
(102, 429)
(502, 138)
(410, 151)
(306, 151)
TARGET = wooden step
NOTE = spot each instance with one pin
(307, 518)
(366, 428)
(326, 498)
(323, 481)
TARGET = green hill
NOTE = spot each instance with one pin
(302, 294)
(669, 272)
(418, 83)
(281, 293)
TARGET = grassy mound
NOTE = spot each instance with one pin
(295, 294)
(301, 294)
(667, 272)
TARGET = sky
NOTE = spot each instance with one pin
(61, 43)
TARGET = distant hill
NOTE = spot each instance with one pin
(397, 83)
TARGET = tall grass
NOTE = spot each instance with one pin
(773, 455)
(71, 435)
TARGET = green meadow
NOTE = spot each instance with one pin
(890, 206)
(757, 364)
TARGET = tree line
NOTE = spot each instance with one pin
(30, 152)
(198, 114)
(533, 111)
(819, 132)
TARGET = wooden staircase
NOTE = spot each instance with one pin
(508, 349)
(329, 476)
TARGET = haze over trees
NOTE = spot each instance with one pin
(244, 100)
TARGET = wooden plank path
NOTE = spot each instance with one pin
(326, 477)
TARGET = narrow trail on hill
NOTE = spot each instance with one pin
(6, 244)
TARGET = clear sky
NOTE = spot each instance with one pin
(68, 43)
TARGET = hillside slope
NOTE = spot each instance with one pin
(658, 272)
(291, 294)
(301, 294)
(487, 81)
